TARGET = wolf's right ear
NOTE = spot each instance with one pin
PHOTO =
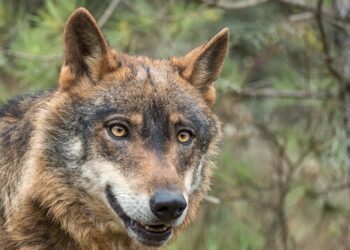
(86, 51)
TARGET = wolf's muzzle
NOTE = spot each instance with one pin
(168, 205)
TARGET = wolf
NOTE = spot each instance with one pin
(118, 156)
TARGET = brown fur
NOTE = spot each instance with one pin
(44, 205)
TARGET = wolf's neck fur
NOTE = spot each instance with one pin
(16, 130)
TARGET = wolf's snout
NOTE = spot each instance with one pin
(168, 205)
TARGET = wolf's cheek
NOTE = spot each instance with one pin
(99, 173)
(193, 176)
(73, 153)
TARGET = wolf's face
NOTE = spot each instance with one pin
(136, 135)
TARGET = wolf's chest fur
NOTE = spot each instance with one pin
(118, 157)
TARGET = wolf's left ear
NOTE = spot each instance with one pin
(86, 51)
(202, 66)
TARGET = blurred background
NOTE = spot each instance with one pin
(284, 98)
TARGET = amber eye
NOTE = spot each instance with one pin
(118, 131)
(184, 136)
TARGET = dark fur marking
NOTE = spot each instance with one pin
(15, 107)
(18, 131)
(149, 76)
(155, 130)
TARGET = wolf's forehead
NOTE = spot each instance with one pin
(158, 74)
(151, 98)
(142, 84)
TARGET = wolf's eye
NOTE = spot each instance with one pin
(184, 136)
(118, 131)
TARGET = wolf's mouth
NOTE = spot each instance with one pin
(148, 235)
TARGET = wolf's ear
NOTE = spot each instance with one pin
(202, 66)
(86, 51)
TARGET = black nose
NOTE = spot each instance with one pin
(168, 205)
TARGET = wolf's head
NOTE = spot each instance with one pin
(135, 135)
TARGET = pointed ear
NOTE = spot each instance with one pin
(202, 66)
(86, 51)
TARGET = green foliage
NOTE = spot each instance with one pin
(220, 230)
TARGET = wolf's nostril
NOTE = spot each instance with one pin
(163, 209)
(167, 205)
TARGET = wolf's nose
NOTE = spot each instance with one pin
(167, 205)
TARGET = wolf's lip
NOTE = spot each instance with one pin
(148, 235)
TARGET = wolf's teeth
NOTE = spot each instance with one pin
(156, 229)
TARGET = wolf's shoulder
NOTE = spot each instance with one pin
(18, 106)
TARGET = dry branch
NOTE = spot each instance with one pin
(326, 50)
(235, 5)
(108, 13)
(282, 94)
(299, 4)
